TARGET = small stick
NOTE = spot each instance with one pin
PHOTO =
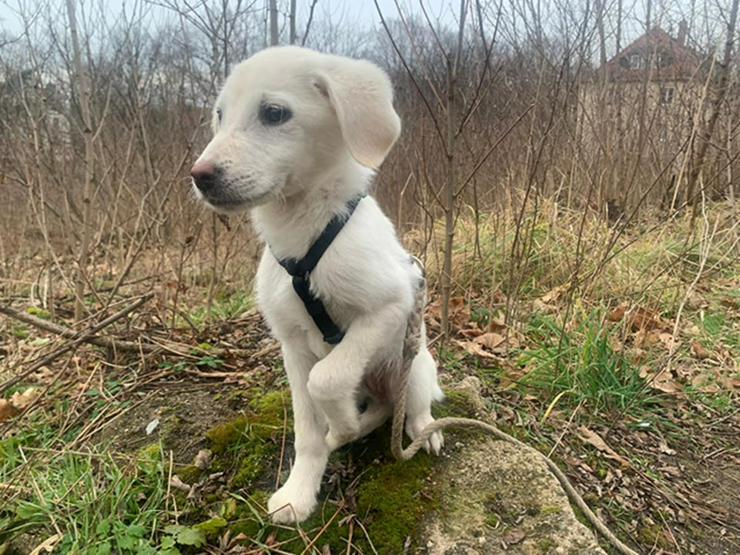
(77, 337)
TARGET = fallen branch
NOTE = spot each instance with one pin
(86, 336)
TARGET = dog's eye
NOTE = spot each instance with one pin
(273, 114)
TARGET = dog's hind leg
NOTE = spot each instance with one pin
(374, 416)
(296, 500)
(422, 390)
(336, 379)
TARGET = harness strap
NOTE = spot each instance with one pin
(301, 269)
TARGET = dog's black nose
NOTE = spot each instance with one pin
(204, 175)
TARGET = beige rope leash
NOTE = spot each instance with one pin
(410, 349)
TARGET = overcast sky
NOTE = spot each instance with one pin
(360, 11)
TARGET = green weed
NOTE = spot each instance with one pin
(226, 306)
(98, 504)
(582, 365)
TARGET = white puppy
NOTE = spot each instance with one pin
(297, 135)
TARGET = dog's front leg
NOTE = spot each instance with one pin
(334, 380)
(295, 501)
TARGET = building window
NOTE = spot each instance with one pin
(666, 95)
(636, 61)
(665, 59)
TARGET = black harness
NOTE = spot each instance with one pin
(301, 270)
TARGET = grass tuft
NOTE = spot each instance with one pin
(581, 365)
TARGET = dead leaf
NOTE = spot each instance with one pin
(672, 471)
(663, 446)
(475, 349)
(706, 383)
(662, 381)
(471, 333)
(203, 459)
(554, 294)
(542, 307)
(617, 314)
(668, 340)
(644, 319)
(698, 350)
(177, 483)
(21, 401)
(496, 324)
(513, 537)
(43, 376)
(458, 312)
(7, 410)
(595, 440)
(490, 340)
(692, 329)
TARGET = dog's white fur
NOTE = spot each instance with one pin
(295, 177)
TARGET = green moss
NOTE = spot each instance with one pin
(545, 545)
(252, 465)
(189, 473)
(20, 331)
(224, 436)
(546, 511)
(39, 312)
(248, 516)
(456, 403)
(493, 520)
(270, 407)
(392, 501)
(150, 452)
(171, 428)
(212, 527)
(246, 447)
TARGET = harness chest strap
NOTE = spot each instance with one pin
(301, 270)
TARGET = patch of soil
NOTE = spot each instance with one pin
(681, 490)
(712, 483)
(184, 412)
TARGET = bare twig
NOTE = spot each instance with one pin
(87, 336)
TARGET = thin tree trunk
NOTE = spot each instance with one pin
(83, 93)
(453, 61)
(293, 36)
(449, 200)
(274, 36)
(308, 23)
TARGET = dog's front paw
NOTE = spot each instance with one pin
(289, 505)
(414, 427)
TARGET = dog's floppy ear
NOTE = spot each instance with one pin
(362, 97)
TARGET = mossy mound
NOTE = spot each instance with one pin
(478, 494)
(366, 490)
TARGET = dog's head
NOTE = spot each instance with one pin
(287, 115)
